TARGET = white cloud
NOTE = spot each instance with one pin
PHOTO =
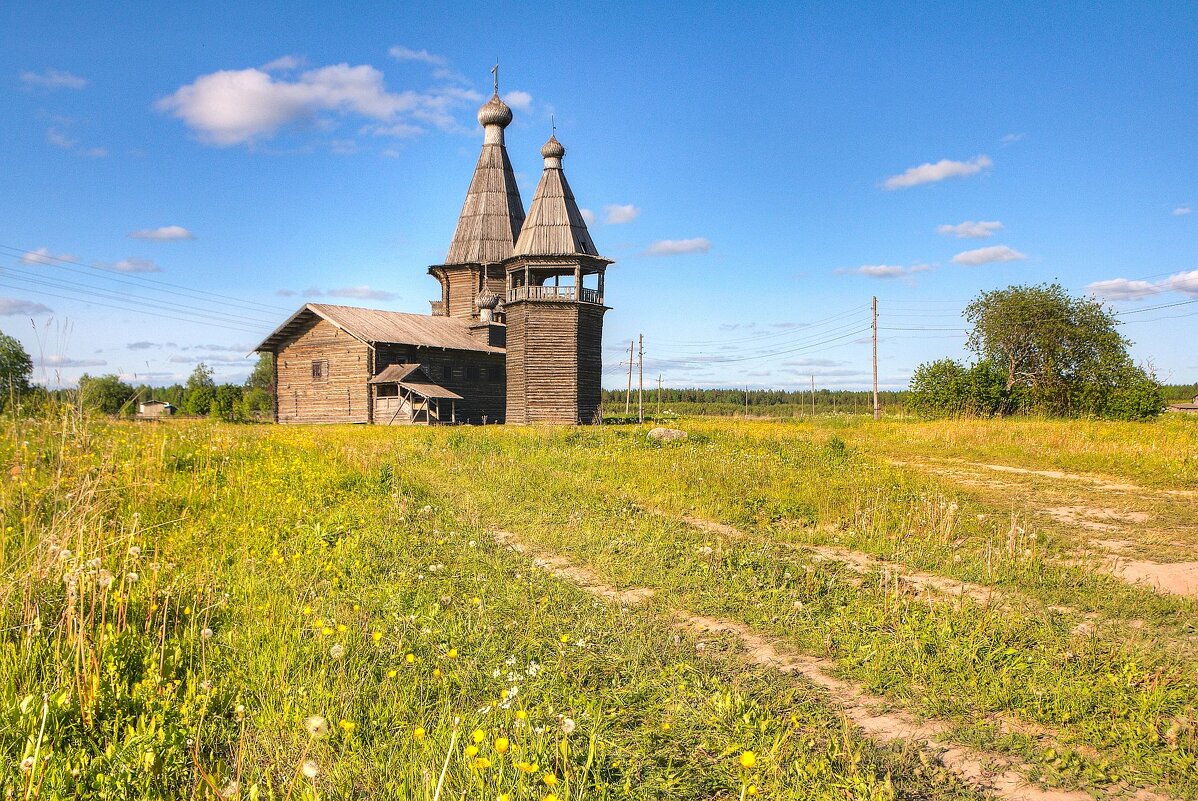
(218, 358)
(167, 233)
(58, 360)
(617, 214)
(1127, 289)
(232, 107)
(1181, 211)
(521, 101)
(286, 293)
(11, 307)
(941, 170)
(58, 138)
(1123, 289)
(994, 253)
(401, 53)
(1012, 138)
(142, 345)
(970, 229)
(588, 216)
(887, 270)
(53, 79)
(44, 256)
(132, 265)
(361, 293)
(283, 64)
(676, 247)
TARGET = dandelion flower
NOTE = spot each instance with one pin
(410, 658)
(471, 750)
(392, 674)
(230, 790)
(502, 744)
(27, 764)
(347, 726)
(521, 715)
(134, 551)
(326, 631)
(751, 790)
(478, 736)
(310, 769)
(104, 578)
(747, 759)
(549, 779)
(317, 726)
(568, 726)
(418, 734)
(132, 578)
(307, 610)
(337, 651)
(341, 628)
(206, 633)
(378, 635)
(437, 673)
(564, 638)
(482, 763)
(452, 653)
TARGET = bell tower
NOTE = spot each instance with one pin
(554, 308)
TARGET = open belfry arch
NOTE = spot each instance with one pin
(516, 335)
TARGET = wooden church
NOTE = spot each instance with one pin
(515, 337)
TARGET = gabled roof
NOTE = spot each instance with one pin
(412, 377)
(493, 212)
(554, 226)
(376, 326)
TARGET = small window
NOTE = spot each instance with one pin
(320, 369)
(472, 374)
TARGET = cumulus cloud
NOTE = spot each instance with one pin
(887, 270)
(401, 53)
(131, 265)
(53, 79)
(142, 345)
(617, 214)
(167, 233)
(677, 247)
(1123, 289)
(283, 64)
(970, 229)
(233, 107)
(588, 216)
(58, 360)
(521, 101)
(12, 307)
(990, 255)
(1181, 211)
(941, 170)
(44, 256)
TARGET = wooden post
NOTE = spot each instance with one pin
(874, 307)
(746, 400)
(628, 397)
(813, 396)
(640, 385)
(659, 394)
(601, 274)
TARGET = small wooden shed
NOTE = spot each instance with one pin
(153, 409)
(1191, 408)
(405, 395)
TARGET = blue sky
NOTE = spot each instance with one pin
(757, 172)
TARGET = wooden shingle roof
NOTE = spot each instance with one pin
(413, 377)
(377, 326)
(493, 212)
(554, 226)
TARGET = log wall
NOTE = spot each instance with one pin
(554, 361)
(482, 394)
(341, 395)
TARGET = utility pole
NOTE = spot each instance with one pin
(877, 409)
(628, 397)
(640, 387)
(813, 396)
(746, 401)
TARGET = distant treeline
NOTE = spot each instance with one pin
(772, 402)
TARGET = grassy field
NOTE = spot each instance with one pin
(196, 610)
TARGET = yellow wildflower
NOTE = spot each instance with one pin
(418, 734)
(391, 674)
(521, 715)
(747, 759)
(347, 725)
(378, 635)
(482, 763)
(478, 736)
(452, 653)
(471, 750)
(549, 779)
(501, 745)
(437, 672)
(410, 658)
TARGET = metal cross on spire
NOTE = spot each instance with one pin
(495, 72)
(553, 125)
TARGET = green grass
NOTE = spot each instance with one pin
(288, 573)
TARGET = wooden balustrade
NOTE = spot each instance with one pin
(549, 292)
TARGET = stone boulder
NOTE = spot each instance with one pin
(666, 434)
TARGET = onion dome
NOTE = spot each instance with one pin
(494, 112)
(552, 149)
(487, 300)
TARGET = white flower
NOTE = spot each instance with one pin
(134, 551)
(206, 633)
(568, 726)
(337, 651)
(27, 764)
(64, 554)
(317, 726)
(132, 578)
(230, 790)
(310, 769)
(104, 578)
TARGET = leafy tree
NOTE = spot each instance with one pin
(227, 405)
(15, 370)
(263, 375)
(947, 388)
(200, 391)
(258, 402)
(1055, 346)
(106, 393)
